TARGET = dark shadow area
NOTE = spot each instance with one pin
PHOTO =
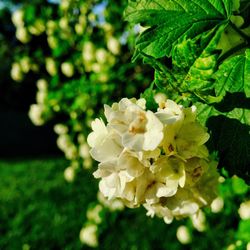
(19, 137)
(232, 140)
(233, 100)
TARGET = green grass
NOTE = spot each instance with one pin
(40, 210)
(37, 206)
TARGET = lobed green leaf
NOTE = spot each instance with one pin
(234, 75)
(170, 21)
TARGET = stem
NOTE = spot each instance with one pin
(240, 32)
(232, 51)
(237, 48)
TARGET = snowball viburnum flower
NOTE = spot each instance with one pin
(155, 159)
(139, 129)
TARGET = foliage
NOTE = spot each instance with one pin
(79, 54)
(200, 50)
(80, 57)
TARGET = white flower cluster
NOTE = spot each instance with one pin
(22, 33)
(21, 67)
(157, 160)
(97, 60)
(38, 113)
(73, 151)
(244, 210)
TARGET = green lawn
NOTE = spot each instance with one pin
(40, 210)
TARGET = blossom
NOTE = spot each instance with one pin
(113, 45)
(22, 34)
(18, 18)
(36, 114)
(25, 64)
(50, 65)
(244, 210)
(94, 213)
(217, 205)
(67, 69)
(112, 205)
(16, 72)
(88, 235)
(61, 129)
(139, 129)
(199, 221)
(69, 174)
(183, 235)
(155, 159)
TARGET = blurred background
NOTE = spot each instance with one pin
(61, 60)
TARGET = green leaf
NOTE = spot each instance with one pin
(243, 232)
(205, 111)
(230, 136)
(171, 21)
(185, 53)
(200, 73)
(148, 95)
(245, 12)
(239, 186)
(234, 75)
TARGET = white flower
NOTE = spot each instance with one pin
(183, 235)
(64, 23)
(42, 85)
(63, 141)
(69, 174)
(22, 34)
(25, 64)
(101, 55)
(64, 5)
(160, 211)
(248, 246)
(60, 129)
(113, 45)
(70, 152)
(199, 221)
(244, 210)
(112, 205)
(99, 133)
(157, 160)
(67, 69)
(79, 28)
(41, 97)
(217, 205)
(94, 214)
(96, 67)
(16, 72)
(50, 65)
(52, 41)
(88, 52)
(170, 113)
(36, 114)
(17, 18)
(88, 235)
(84, 150)
(160, 99)
(139, 129)
(104, 145)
